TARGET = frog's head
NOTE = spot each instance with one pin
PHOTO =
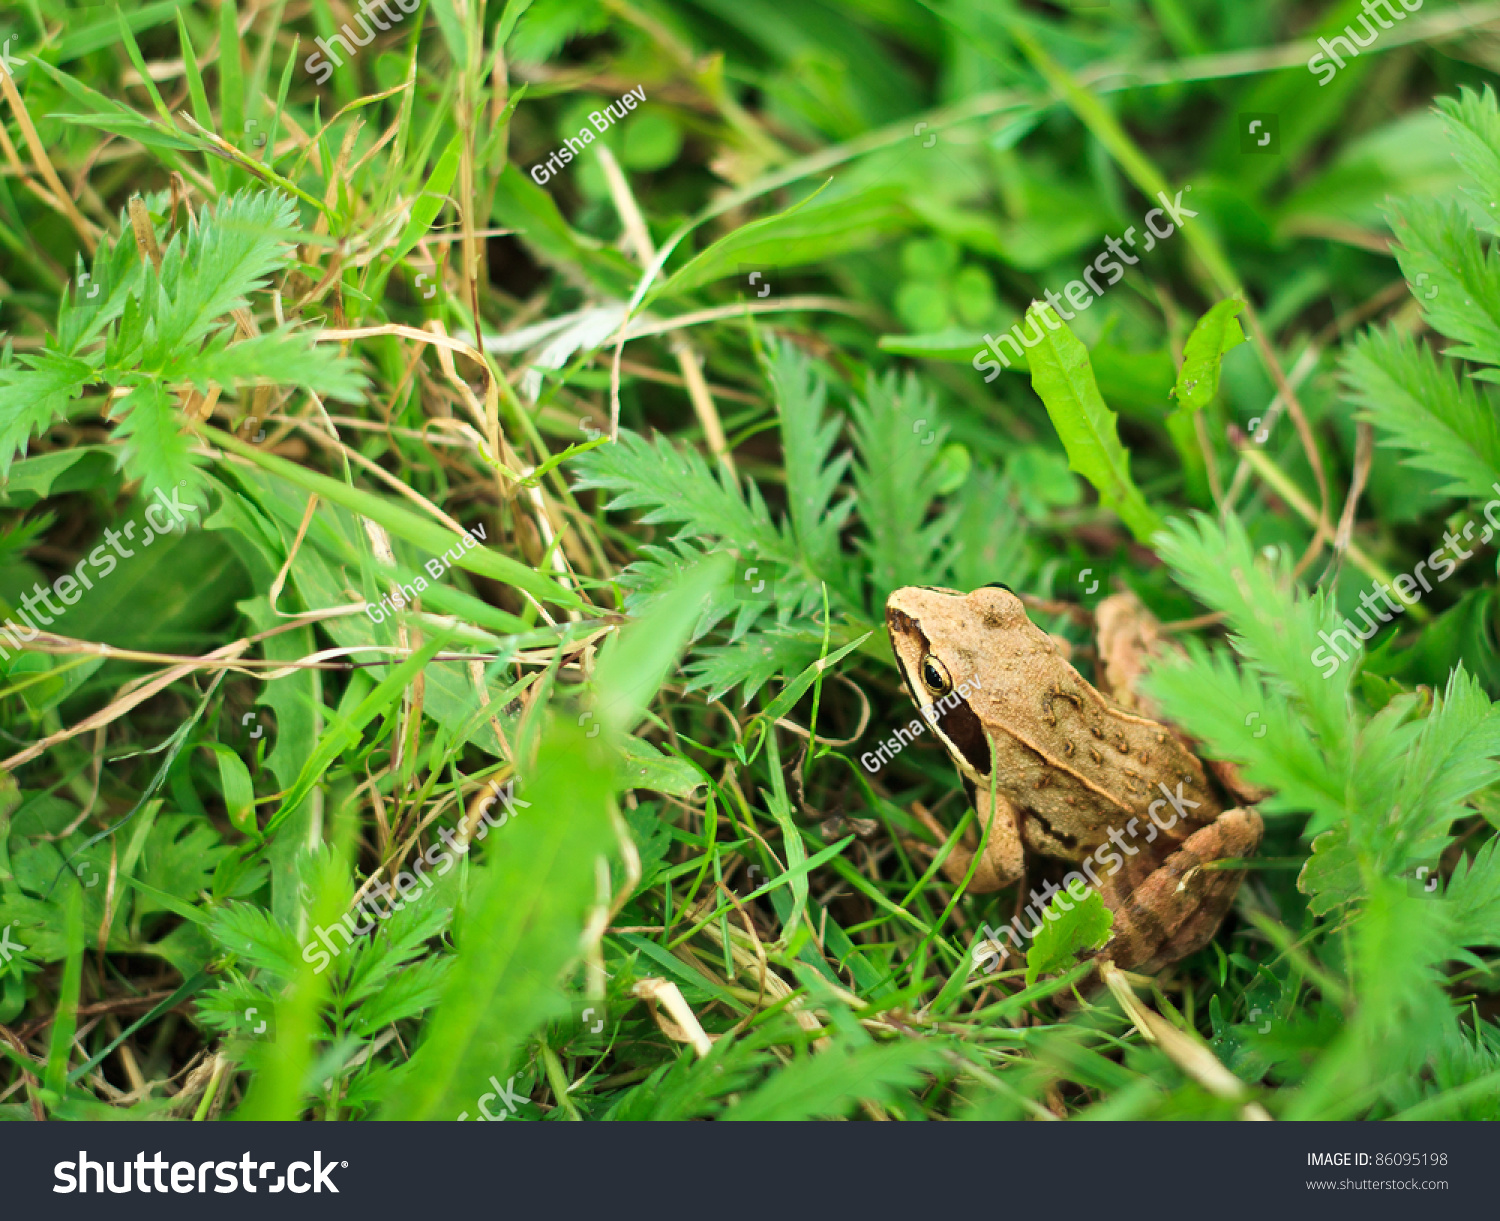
(945, 644)
(940, 636)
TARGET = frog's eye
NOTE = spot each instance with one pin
(1000, 585)
(935, 676)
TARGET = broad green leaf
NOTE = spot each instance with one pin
(1214, 334)
(807, 233)
(1064, 381)
(642, 766)
(952, 344)
(62, 470)
(239, 790)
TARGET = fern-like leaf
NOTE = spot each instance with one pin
(754, 662)
(1460, 296)
(989, 535)
(899, 436)
(34, 391)
(277, 357)
(1448, 425)
(156, 450)
(811, 479)
(1275, 631)
(224, 257)
(1474, 897)
(99, 294)
(674, 484)
(1474, 129)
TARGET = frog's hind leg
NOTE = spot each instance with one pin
(1178, 907)
(1004, 860)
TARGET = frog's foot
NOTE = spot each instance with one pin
(1004, 860)
(1178, 907)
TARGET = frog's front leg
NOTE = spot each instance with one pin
(1177, 907)
(1004, 860)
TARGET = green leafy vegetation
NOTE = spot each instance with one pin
(497, 700)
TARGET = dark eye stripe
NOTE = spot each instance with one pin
(961, 726)
(958, 722)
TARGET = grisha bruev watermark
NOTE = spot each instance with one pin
(904, 735)
(544, 171)
(405, 594)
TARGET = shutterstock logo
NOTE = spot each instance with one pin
(188, 1177)
(7, 946)
(8, 62)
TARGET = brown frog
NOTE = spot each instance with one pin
(1076, 777)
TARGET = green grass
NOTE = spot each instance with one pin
(346, 329)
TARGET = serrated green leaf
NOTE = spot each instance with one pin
(1068, 928)
(1474, 131)
(280, 357)
(1454, 277)
(156, 448)
(33, 393)
(807, 441)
